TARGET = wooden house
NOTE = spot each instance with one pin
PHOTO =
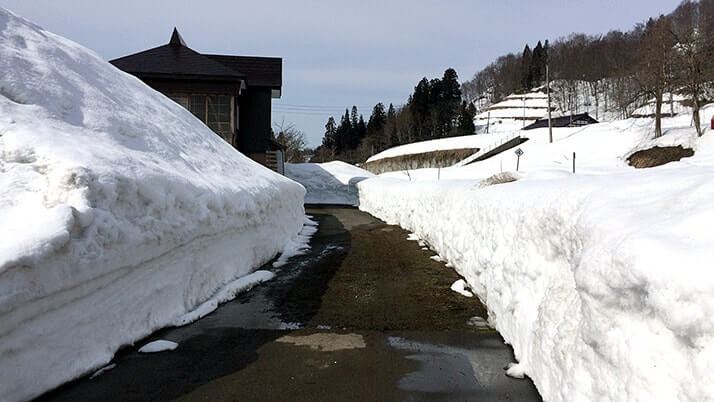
(231, 94)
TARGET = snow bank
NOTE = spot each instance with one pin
(120, 211)
(225, 294)
(602, 280)
(161, 345)
(328, 183)
(298, 246)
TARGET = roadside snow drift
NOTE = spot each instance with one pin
(328, 183)
(602, 281)
(120, 211)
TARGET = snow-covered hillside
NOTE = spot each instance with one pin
(600, 280)
(119, 210)
(328, 183)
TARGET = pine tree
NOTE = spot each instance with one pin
(526, 77)
(390, 127)
(354, 118)
(419, 109)
(344, 133)
(449, 102)
(377, 120)
(330, 138)
(537, 66)
(466, 119)
(360, 131)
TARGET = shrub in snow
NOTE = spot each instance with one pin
(120, 211)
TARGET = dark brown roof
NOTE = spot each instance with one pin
(179, 61)
(175, 59)
(259, 71)
(563, 121)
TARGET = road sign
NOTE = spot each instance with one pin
(519, 152)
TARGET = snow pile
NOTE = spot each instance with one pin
(120, 211)
(328, 183)
(298, 246)
(601, 280)
(158, 346)
(102, 370)
(461, 287)
(227, 293)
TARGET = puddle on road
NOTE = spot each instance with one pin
(326, 342)
(444, 368)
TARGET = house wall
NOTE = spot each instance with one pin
(255, 120)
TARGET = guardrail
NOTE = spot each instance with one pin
(488, 149)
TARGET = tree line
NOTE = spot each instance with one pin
(670, 53)
(435, 109)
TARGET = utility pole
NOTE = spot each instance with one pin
(547, 90)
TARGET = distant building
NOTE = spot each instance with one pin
(231, 94)
(576, 120)
(513, 112)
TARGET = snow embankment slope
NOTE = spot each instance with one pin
(328, 183)
(467, 141)
(119, 210)
(602, 280)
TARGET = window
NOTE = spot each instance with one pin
(198, 107)
(219, 115)
(214, 110)
(181, 100)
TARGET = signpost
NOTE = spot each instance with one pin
(573, 162)
(518, 153)
(547, 88)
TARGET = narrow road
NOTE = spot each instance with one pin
(366, 315)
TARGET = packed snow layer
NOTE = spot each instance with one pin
(328, 183)
(601, 280)
(120, 211)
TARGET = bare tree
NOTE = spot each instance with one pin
(653, 71)
(691, 61)
(292, 139)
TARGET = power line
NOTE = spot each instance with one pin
(305, 113)
(292, 105)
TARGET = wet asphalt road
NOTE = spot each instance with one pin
(365, 315)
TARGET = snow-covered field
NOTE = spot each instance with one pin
(601, 280)
(120, 211)
(328, 183)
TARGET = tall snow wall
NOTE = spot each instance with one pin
(604, 295)
(119, 211)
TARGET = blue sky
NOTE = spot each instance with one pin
(337, 53)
